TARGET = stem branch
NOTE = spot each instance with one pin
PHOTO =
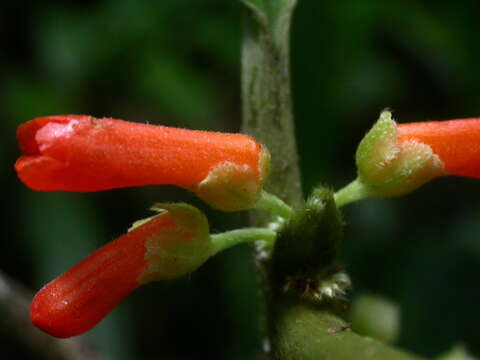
(274, 205)
(231, 238)
(355, 191)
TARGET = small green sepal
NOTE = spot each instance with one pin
(387, 168)
(180, 249)
(233, 187)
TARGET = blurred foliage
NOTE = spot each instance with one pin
(376, 317)
(177, 63)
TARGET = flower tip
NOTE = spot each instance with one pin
(41, 167)
(78, 300)
(49, 318)
(31, 133)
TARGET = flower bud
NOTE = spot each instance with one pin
(165, 246)
(80, 153)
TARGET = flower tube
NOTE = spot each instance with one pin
(165, 246)
(81, 153)
(455, 142)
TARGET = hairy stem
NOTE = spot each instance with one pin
(267, 115)
(267, 105)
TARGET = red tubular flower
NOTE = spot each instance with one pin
(455, 142)
(165, 246)
(81, 153)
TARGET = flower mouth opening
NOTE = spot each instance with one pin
(34, 137)
(38, 140)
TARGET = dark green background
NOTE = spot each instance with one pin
(176, 62)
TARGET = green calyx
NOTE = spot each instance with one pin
(179, 249)
(388, 168)
(233, 187)
(185, 244)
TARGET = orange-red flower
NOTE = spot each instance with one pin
(81, 153)
(165, 246)
(455, 142)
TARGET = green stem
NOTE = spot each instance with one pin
(274, 205)
(266, 94)
(355, 191)
(228, 239)
(295, 329)
(267, 116)
(311, 332)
